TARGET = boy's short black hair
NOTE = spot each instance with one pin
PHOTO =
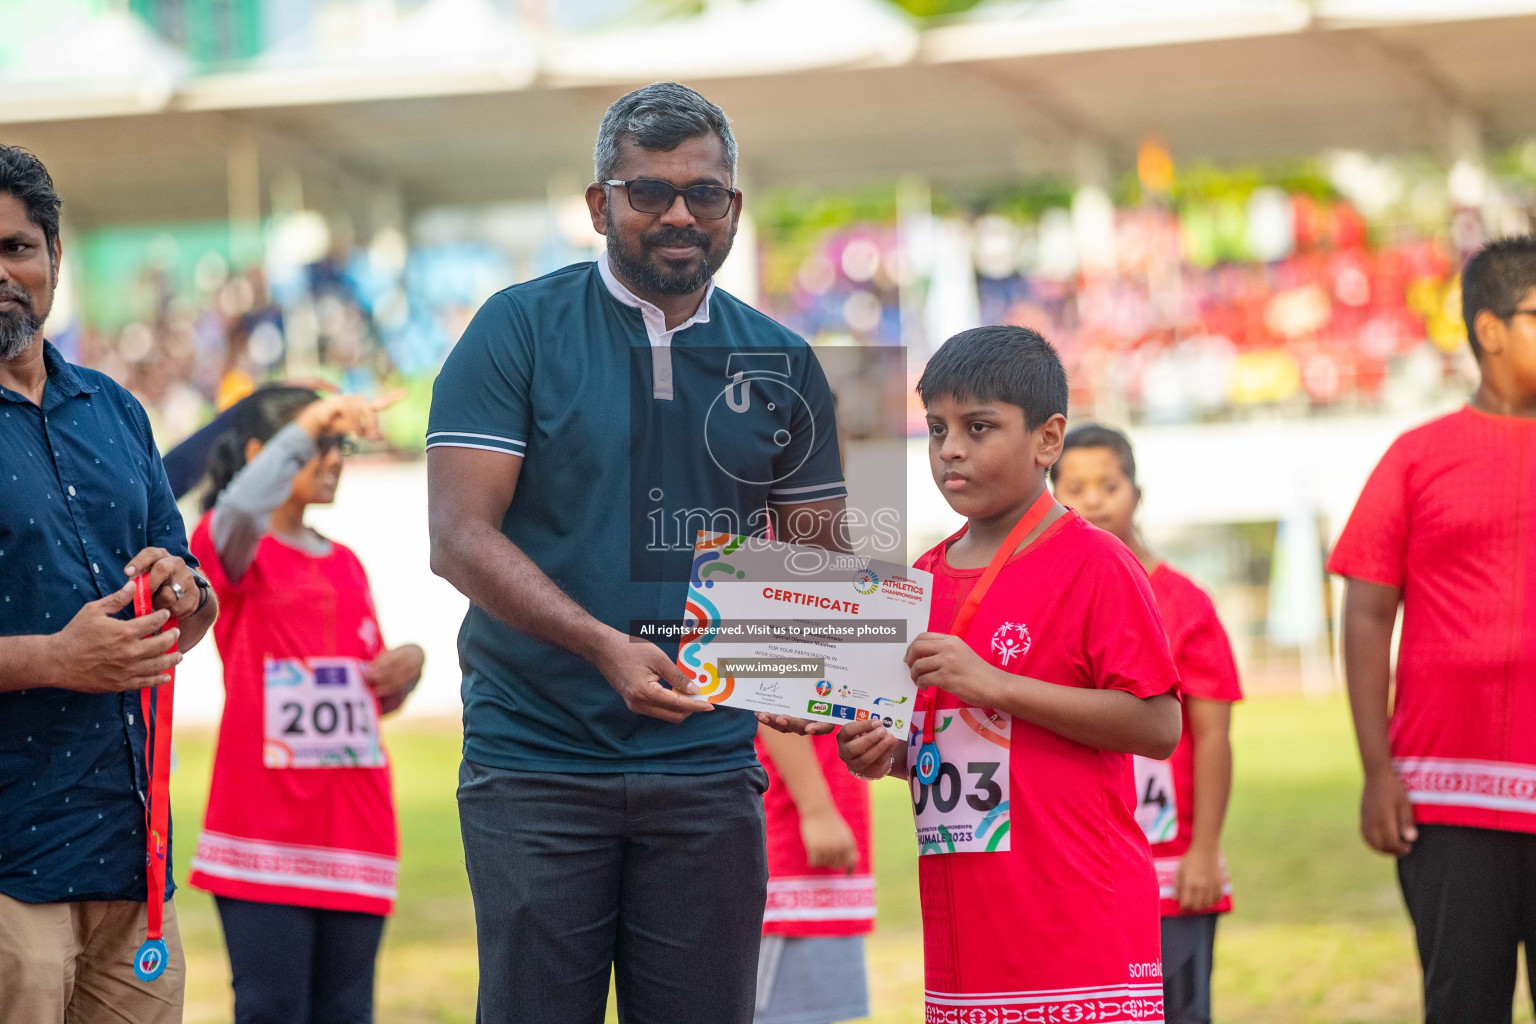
(999, 364)
(23, 175)
(1093, 435)
(1496, 279)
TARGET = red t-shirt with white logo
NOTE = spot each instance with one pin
(320, 837)
(1064, 924)
(817, 902)
(1449, 516)
(1203, 655)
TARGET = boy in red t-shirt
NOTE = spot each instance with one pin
(1180, 802)
(1446, 527)
(1038, 893)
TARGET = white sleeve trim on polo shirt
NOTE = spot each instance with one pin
(806, 495)
(465, 439)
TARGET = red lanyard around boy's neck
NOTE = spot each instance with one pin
(155, 702)
(962, 624)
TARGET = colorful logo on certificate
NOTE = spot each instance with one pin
(862, 716)
(824, 688)
(866, 582)
(819, 707)
(702, 620)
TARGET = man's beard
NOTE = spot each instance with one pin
(17, 326)
(640, 266)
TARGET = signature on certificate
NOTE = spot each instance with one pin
(769, 687)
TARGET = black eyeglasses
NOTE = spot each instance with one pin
(341, 443)
(652, 195)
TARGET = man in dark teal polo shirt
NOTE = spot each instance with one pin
(585, 427)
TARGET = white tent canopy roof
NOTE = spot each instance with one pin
(446, 47)
(733, 38)
(1013, 28)
(111, 64)
(1404, 12)
(455, 105)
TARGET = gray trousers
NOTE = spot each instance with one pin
(660, 879)
(1189, 944)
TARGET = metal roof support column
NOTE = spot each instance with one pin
(243, 182)
(1093, 211)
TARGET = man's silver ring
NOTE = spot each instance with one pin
(176, 589)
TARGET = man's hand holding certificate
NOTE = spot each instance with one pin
(801, 632)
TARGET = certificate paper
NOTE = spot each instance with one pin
(796, 630)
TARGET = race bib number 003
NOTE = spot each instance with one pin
(1157, 810)
(965, 808)
(320, 713)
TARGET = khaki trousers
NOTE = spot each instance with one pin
(72, 963)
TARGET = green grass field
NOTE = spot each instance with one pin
(1319, 935)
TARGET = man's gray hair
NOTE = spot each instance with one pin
(661, 116)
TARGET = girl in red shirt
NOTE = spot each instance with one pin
(299, 845)
(1181, 802)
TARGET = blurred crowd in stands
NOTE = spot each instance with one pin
(1262, 301)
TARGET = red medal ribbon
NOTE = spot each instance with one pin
(927, 700)
(156, 703)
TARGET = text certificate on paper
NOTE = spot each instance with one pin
(800, 631)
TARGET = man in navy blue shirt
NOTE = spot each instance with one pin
(585, 427)
(85, 510)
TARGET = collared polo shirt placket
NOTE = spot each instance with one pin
(84, 492)
(656, 330)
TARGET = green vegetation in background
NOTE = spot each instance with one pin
(1023, 201)
(405, 425)
(797, 217)
(211, 32)
(794, 220)
(1515, 164)
(794, 215)
(118, 266)
(1319, 935)
(655, 10)
(936, 8)
(1206, 182)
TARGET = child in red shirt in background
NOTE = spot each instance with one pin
(1446, 527)
(1181, 802)
(1038, 893)
(299, 844)
(821, 886)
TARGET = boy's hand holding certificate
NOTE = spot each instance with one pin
(794, 630)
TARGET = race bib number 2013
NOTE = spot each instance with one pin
(965, 808)
(320, 713)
